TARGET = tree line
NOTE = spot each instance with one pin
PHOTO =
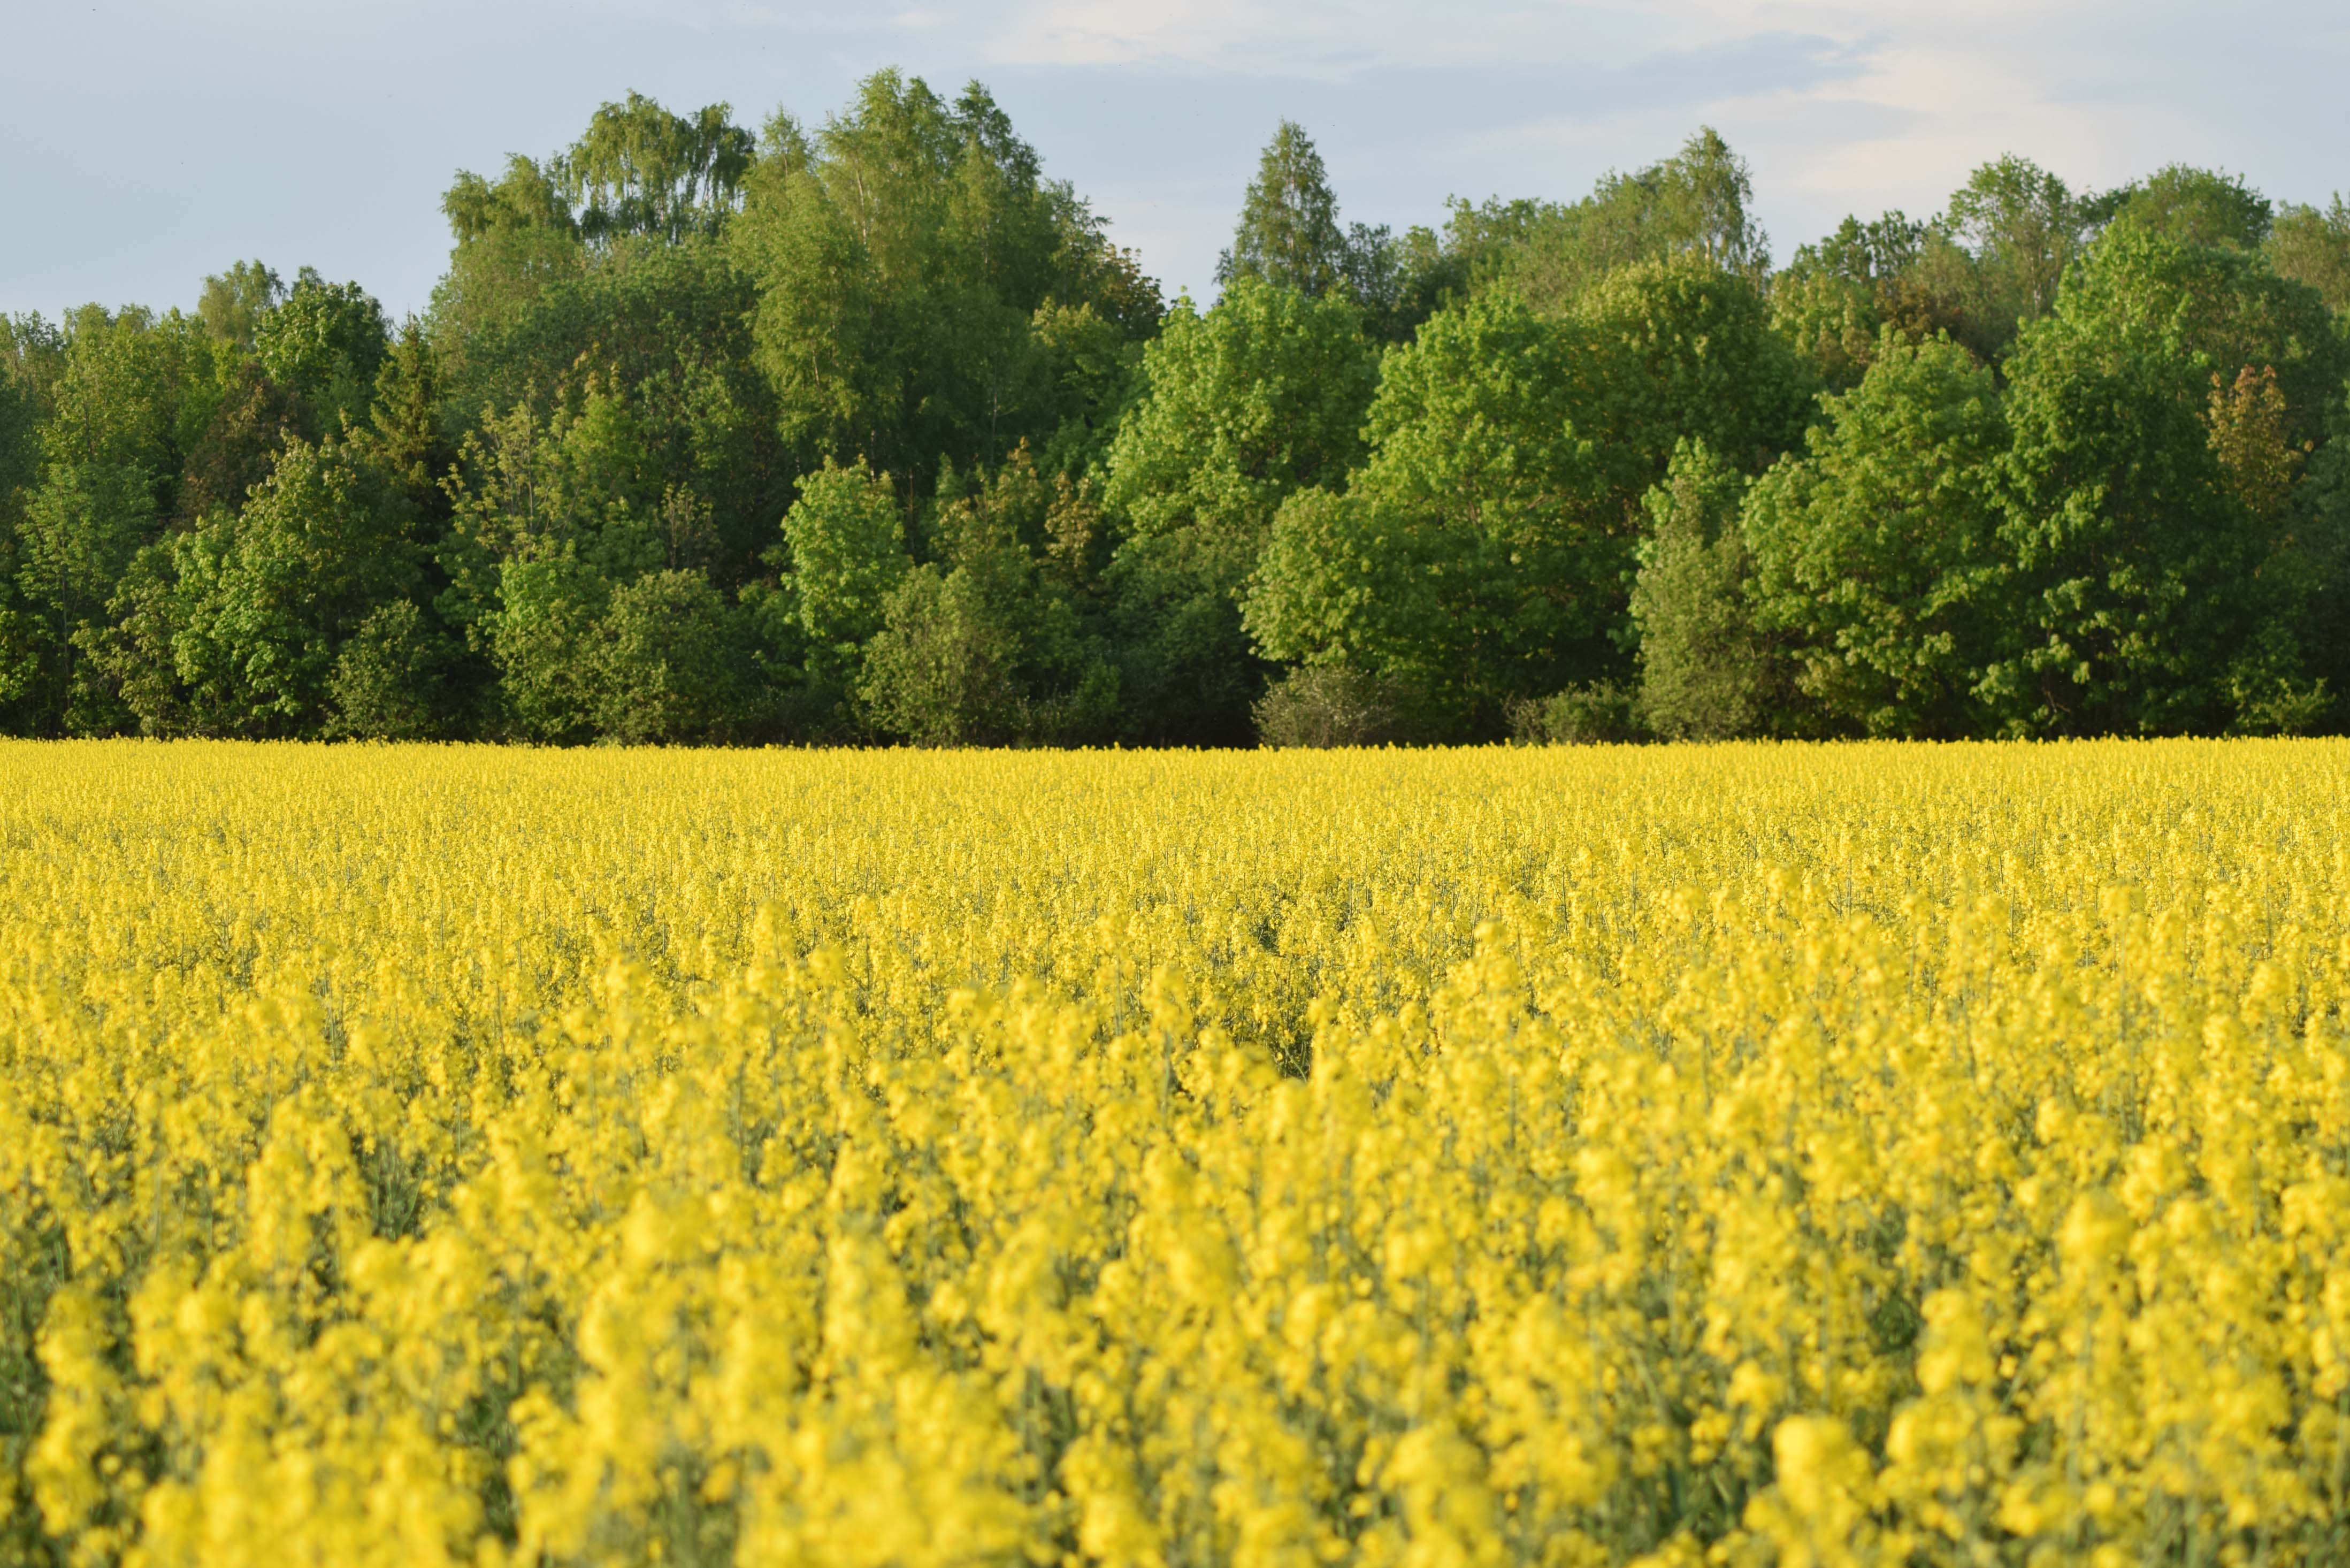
(868, 432)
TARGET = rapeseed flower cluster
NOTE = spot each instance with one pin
(1738, 1156)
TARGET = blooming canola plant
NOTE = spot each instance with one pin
(1740, 1155)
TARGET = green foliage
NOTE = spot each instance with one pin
(940, 670)
(125, 400)
(584, 576)
(1995, 257)
(706, 419)
(133, 390)
(610, 263)
(20, 460)
(252, 422)
(1695, 204)
(2199, 206)
(2318, 563)
(235, 303)
(32, 363)
(640, 170)
(2311, 247)
(1485, 550)
(1685, 350)
(1831, 323)
(1706, 671)
(1347, 580)
(993, 642)
(2218, 307)
(582, 483)
(1288, 233)
(1597, 713)
(19, 660)
(1289, 236)
(662, 328)
(844, 550)
(391, 677)
(543, 637)
(406, 420)
(1401, 282)
(630, 312)
(1563, 470)
(1875, 553)
(2140, 569)
(1086, 371)
(21, 416)
(324, 345)
(671, 660)
(1262, 396)
(234, 628)
(1319, 706)
(515, 239)
(81, 532)
(901, 255)
(1875, 252)
(1477, 418)
(2146, 604)
(1835, 300)
(1475, 552)
(1186, 670)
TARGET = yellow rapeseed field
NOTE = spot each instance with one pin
(1745, 1155)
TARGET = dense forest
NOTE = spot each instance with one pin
(869, 433)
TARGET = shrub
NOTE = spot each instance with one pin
(1322, 705)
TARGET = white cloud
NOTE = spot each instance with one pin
(1924, 88)
(161, 138)
(1321, 39)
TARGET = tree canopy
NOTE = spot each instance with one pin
(863, 428)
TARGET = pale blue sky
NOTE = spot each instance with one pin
(150, 141)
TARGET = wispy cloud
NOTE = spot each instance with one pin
(161, 138)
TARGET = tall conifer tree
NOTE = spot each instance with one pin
(1288, 233)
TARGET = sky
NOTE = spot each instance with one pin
(153, 141)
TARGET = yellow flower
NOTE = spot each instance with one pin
(1663, 1156)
